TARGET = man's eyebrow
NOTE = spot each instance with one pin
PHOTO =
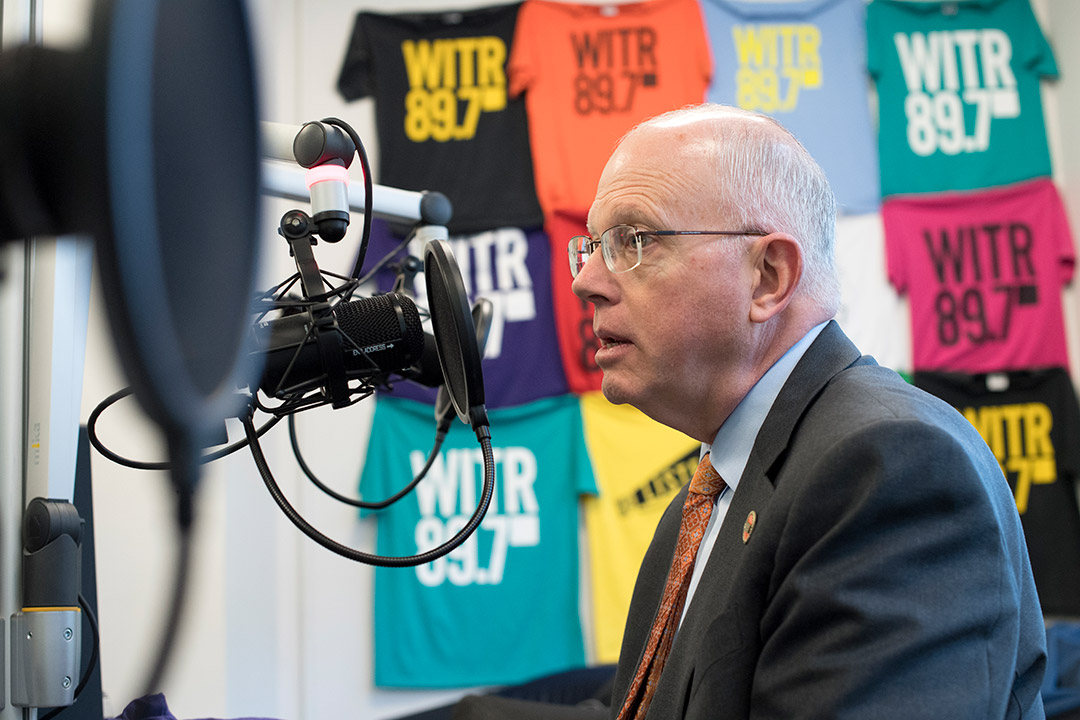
(633, 215)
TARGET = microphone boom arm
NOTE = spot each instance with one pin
(389, 203)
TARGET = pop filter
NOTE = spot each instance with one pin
(483, 310)
(455, 335)
(147, 139)
(182, 153)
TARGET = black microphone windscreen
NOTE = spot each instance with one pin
(380, 334)
(387, 328)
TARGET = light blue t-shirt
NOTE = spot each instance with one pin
(503, 607)
(804, 63)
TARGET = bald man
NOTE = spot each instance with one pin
(864, 556)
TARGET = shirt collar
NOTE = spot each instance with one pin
(730, 449)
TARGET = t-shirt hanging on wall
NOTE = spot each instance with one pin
(503, 607)
(443, 118)
(959, 101)
(591, 72)
(1031, 422)
(573, 316)
(511, 267)
(640, 466)
(800, 61)
(983, 272)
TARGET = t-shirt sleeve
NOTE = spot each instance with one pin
(1066, 246)
(895, 257)
(583, 467)
(873, 45)
(701, 39)
(356, 79)
(520, 67)
(1040, 56)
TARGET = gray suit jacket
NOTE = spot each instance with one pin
(885, 574)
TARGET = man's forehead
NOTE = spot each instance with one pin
(664, 148)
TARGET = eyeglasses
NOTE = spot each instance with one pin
(621, 245)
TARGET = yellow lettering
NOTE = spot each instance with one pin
(490, 62)
(787, 44)
(466, 52)
(809, 46)
(1038, 421)
(1022, 492)
(1014, 428)
(435, 69)
(748, 45)
(987, 420)
(417, 55)
(445, 59)
(1019, 437)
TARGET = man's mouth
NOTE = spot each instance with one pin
(607, 341)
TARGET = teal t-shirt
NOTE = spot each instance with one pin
(959, 100)
(503, 607)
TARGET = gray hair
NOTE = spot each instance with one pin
(766, 180)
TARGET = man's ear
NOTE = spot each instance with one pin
(778, 263)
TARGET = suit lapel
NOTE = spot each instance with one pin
(830, 353)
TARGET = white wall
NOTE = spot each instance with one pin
(275, 625)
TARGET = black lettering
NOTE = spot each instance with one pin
(586, 48)
(624, 44)
(647, 47)
(946, 253)
(1020, 240)
(973, 240)
(992, 237)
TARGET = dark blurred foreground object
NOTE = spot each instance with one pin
(147, 139)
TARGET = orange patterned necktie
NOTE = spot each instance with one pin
(704, 488)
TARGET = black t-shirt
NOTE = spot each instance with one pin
(444, 120)
(1031, 421)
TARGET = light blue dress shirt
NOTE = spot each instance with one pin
(730, 449)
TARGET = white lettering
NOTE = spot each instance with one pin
(447, 498)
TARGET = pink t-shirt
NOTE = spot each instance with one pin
(983, 271)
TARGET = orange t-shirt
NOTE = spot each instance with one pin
(592, 72)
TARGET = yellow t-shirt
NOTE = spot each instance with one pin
(639, 466)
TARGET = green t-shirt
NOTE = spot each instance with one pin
(959, 101)
(503, 607)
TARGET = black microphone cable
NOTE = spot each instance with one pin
(369, 190)
(483, 436)
(91, 431)
(440, 437)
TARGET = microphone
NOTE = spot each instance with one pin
(379, 335)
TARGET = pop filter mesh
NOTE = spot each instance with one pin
(452, 323)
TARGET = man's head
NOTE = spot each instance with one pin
(688, 331)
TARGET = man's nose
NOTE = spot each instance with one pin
(590, 279)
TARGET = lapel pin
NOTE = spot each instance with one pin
(748, 526)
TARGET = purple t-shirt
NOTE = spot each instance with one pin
(511, 267)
